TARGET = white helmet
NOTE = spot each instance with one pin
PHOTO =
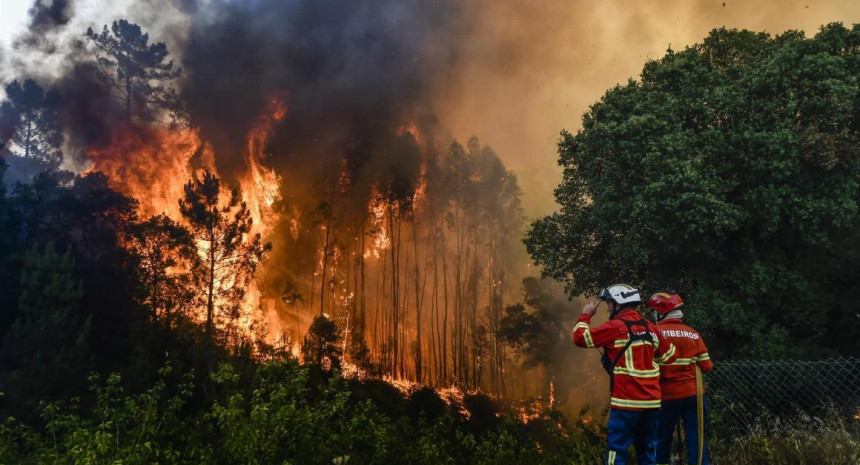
(622, 294)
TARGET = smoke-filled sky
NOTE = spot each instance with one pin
(512, 72)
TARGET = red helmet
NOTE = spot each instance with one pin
(664, 302)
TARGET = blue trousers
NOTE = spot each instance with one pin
(671, 412)
(637, 427)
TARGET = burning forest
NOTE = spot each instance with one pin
(261, 231)
(286, 184)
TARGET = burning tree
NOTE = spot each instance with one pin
(229, 256)
(408, 248)
(168, 267)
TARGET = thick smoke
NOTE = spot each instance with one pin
(352, 73)
(49, 14)
(353, 76)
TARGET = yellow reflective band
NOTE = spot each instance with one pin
(623, 343)
(610, 460)
(628, 358)
(588, 341)
(704, 356)
(637, 373)
(586, 333)
(669, 353)
(634, 403)
(683, 361)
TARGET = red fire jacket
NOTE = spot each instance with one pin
(678, 380)
(637, 378)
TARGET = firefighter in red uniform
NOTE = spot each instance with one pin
(678, 380)
(631, 346)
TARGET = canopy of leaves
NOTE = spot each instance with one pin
(730, 172)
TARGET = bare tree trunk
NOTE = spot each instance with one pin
(127, 92)
(363, 307)
(325, 261)
(435, 331)
(434, 303)
(456, 346)
(29, 137)
(210, 297)
(394, 289)
(445, 318)
(476, 375)
(418, 301)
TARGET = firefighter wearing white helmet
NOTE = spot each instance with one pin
(622, 295)
(632, 349)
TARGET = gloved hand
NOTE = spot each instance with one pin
(590, 307)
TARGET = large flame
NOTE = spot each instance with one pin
(154, 164)
(260, 185)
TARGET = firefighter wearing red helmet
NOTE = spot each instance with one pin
(632, 349)
(683, 395)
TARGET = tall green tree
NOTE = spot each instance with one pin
(731, 172)
(46, 348)
(140, 73)
(221, 229)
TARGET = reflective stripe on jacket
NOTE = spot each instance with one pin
(637, 375)
(678, 380)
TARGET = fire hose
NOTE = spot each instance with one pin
(700, 413)
(700, 418)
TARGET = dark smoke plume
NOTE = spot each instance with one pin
(352, 72)
(49, 14)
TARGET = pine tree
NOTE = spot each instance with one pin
(321, 343)
(37, 135)
(139, 73)
(221, 230)
(46, 347)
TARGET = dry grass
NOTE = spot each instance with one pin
(832, 440)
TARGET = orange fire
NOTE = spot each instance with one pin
(381, 240)
(154, 164)
(261, 185)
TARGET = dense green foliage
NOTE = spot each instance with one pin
(287, 413)
(729, 172)
(48, 341)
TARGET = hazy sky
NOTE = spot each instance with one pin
(13, 18)
(532, 67)
(537, 65)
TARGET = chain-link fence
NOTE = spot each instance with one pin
(742, 393)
